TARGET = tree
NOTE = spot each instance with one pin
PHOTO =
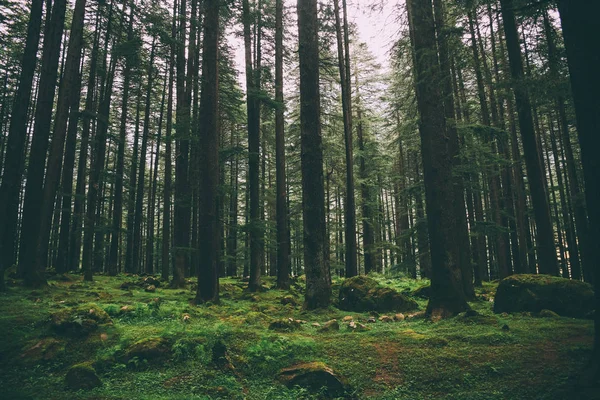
(283, 245)
(17, 135)
(447, 294)
(208, 272)
(583, 55)
(545, 238)
(318, 288)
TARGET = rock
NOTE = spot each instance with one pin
(285, 325)
(534, 293)
(126, 285)
(357, 327)
(150, 289)
(361, 293)
(347, 318)
(150, 280)
(548, 314)
(399, 317)
(504, 314)
(316, 324)
(420, 314)
(386, 318)
(82, 376)
(423, 292)
(45, 349)
(151, 349)
(505, 328)
(330, 326)
(371, 320)
(79, 321)
(315, 377)
(289, 299)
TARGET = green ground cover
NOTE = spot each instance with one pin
(159, 345)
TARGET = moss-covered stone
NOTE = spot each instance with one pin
(330, 326)
(534, 293)
(79, 321)
(285, 325)
(151, 349)
(45, 349)
(361, 293)
(316, 378)
(82, 376)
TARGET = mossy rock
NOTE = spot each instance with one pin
(361, 293)
(79, 321)
(82, 376)
(45, 349)
(285, 325)
(315, 377)
(150, 349)
(534, 293)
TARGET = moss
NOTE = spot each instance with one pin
(82, 376)
(79, 321)
(533, 293)
(361, 293)
(150, 349)
(316, 378)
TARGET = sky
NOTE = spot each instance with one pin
(376, 20)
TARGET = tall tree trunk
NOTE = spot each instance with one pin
(117, 218)
(15, 143)
(283, 245)
(349, 204)
(67, 96)
(208, 274)
(447, 290)
(30, 228)
(318, 286)
(462, 240)
(545, 239)
(253, 107)
(139, 193)
(583, 55)
(130, 249)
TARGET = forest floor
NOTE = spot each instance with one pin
(487, 356)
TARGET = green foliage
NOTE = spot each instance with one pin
(272, 353)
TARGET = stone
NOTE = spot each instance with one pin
(534, 293)
(79, 321)
(44, 349)
(386, 318)
(316, 324)
(82, 376)
(285, 325)
(505, 328)
(347, 318)
(330, 326)
(150, 280)
(150, 289)
(361, 293)
(316, 378)
(151, 349)
(357, 327)
(289, 299)
(399, 317)
(371, 320)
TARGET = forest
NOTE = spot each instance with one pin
(255, 199)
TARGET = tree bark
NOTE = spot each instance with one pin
(318, 286)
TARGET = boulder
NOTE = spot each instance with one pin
(151, 349)
(361, 293)
(399, 317)
(285, 325)
(386, 318)
(534, 293)
(79, 321)
(330, 326)
(150, 289)
(45, 349)
(315, 377)
(289, 299)
(548, 314)
(82, 376)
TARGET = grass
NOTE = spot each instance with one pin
(460, 358)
